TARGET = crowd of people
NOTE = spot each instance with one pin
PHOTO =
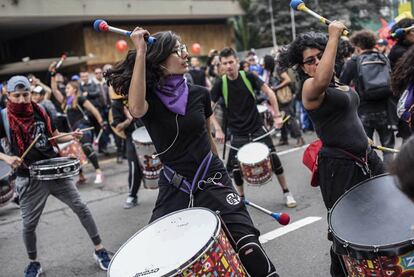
(344, 89)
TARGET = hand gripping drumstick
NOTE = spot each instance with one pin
(30, 146)
(71, 133)
(102, 26)
(401, 31)
(385, 149)
(282, 218)
(298, 5)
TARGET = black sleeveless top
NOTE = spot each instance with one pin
(336, 121)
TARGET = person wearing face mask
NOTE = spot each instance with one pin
(345, 158)
(177, 116)
(25, 121)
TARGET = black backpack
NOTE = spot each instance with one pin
(374, 76)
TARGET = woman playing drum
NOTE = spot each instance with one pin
(177, 117)
(75, 106)
(332, 107)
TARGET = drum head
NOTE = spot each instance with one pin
(253, 153)
(141, 135)
(5, 169)
(166, 245)
(374, 215)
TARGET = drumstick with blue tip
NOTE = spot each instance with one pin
(298, 5)
(401, 31)
(282, 218)
(30, 146)
(385, 149)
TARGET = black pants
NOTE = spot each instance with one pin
(238, 141)
(134, 168)
(379, 122)
(291, 125)
(216, 198)
(337, 173)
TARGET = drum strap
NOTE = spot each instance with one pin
(179, 181)
(6, 124)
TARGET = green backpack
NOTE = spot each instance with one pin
(225, 89)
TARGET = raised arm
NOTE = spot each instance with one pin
(314, 88)
(59, 97)
(138, 106)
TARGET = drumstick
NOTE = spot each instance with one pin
(71, 133)
(96, 141)
(273, 130)
(232, 147)
(30, 146)
(385, 149)
(282, 218)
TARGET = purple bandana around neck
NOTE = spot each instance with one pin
(174, 93)
(69, 100)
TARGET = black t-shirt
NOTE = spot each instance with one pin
(397, 51)
(42, 149)
(350, 75)
(199, 77)
(242, 114)
(77, 116)
(193, 143)
(337, 123)
(118, 116)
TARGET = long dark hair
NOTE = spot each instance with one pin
(403, 74)
(402, 166)
(119, 77)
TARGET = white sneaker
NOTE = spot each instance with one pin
(98, 178)
(289, 200)
(130, 202)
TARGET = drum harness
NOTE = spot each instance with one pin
(179, 181)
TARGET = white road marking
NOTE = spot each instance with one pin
(281, 153)
(288, 228)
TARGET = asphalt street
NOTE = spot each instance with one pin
(64, 248)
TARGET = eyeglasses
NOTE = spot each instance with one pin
(312, 60)
(180, 50)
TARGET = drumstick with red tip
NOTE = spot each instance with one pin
(102, 26)
(298, 5)
(282, 218)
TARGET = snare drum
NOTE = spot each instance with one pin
(373, 229)
(188, 242)
(6, 189)
(73, 149)
(151, 167)
(55, 168)
(254, 159)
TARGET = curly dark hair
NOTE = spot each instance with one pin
(403, 74)
(364, 39)
(402, 167)
(269, 63)
(119, 77)
(403, 23)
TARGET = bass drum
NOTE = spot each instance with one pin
(372, 227)
(6, 188)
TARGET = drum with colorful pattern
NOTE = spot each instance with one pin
(373, 229)
(185, 243)
(254, 159)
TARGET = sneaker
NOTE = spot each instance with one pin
(119, 160)
(102, 258)
(300, 142)
(282, 142)
(98, 178)
(33, 270)
(131, 202)
(289, 200)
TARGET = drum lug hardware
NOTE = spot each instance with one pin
(346, 244)
(376, 249)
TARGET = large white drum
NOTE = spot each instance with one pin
(188, 242)
(151, 167)
(254, 159)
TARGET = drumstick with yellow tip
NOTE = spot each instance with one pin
(385, 149)
(30, 146)
(71, 133)
(273, 130)
(298, 5)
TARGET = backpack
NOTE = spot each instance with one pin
(374, 76)
(225, 88)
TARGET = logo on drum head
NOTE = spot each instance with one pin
(233, 199)
(147, 272)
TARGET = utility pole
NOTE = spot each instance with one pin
(272, 23)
